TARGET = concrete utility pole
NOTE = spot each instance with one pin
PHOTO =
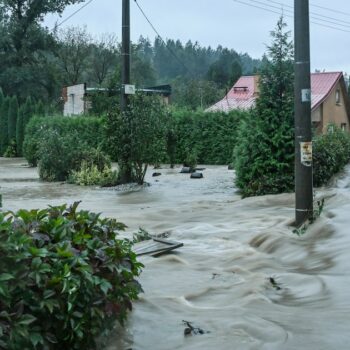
(125, 171)
(125, 53)
(303, 133)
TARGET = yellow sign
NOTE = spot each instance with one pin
(306, 153)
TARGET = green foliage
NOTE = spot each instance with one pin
(12, 119)
(137, 137)
(65, 278)
(11, 150)
(264, 155)
(88, 129)
(226, 70)
(195, 94)
(331, 152)
(20, 132)
(59, 155)
(4, 139)
(210, 136)
(89, 174)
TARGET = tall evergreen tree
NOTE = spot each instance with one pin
(4, 139)
(25, 113)
(12, 118)
(264, 156)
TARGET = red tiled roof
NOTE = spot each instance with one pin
(243, 93)
(241, 96)
(322, 85)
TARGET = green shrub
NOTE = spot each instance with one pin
(89, 174)
(138, 137)
(59, 155)
(11, 150)
(89, 129)
(331, 152)
(65, 278)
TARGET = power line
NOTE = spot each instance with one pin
(347, 23)
(290, 16)
(163, 41)
(73, 14)
(331, 10)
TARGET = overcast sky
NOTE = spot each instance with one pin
(238, 24)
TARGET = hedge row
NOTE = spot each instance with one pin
(211, 137)
(330, 155)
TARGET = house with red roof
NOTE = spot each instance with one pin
(330, 103)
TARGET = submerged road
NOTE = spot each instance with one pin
(242, 275)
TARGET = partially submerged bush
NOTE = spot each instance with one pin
(331, 152)
(65, 278)
(60, 155)
(88, 129)
(89, 174)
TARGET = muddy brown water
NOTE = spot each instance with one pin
(220, 279)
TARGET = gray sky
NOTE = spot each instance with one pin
(229, 23)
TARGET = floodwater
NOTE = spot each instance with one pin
(221, 279)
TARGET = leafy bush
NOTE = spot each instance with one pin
(211, 136)
(138, 137)
(331, 152)
(89, 129)
(65, 278)
(60, 155)
(89, 175)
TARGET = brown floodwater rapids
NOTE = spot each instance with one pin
(221, 279)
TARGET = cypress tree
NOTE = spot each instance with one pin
(1, 98)
(40, 109)
(4, 140)
(20, 131)
(264, 155)
(12, 119)
(25, 113)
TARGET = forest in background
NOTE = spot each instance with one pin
(37, 62)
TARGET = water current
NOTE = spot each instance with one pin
(242, 276)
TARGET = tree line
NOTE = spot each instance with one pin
(38, 62)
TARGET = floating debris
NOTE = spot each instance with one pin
(191, 330)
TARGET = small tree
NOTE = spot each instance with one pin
(12, 118)
(264, 156)
(140, 136)
(4, 139)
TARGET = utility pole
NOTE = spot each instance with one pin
(303, 133)
(125, 53)
(125, 172)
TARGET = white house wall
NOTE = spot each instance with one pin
(75, 104)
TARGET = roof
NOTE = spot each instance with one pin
(241, 96)
(322, 85)
(244, 92)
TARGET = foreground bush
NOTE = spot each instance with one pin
(64, 278)
(331, 152)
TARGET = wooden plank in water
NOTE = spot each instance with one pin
(156, 246)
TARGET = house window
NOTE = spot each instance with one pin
(337, 97)
(343, 126)
(330, 129)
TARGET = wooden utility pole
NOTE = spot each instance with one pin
(303, 133)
